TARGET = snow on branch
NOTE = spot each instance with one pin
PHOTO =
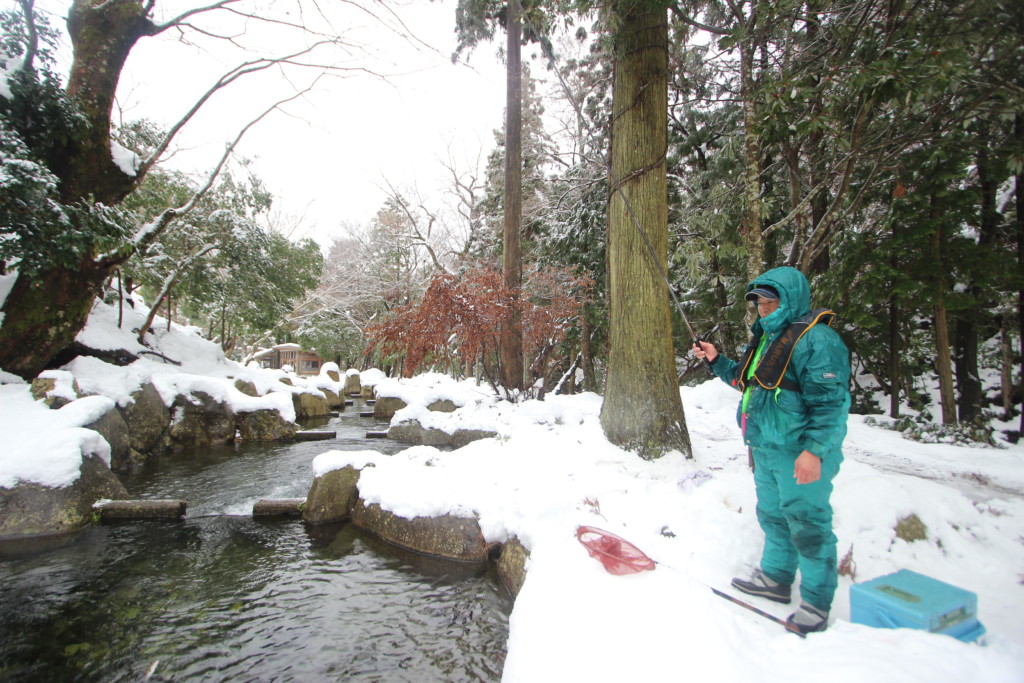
(168, 283)
(150, 231)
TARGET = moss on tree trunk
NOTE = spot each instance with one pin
(642, 410)
(43, 314)
(102, 34)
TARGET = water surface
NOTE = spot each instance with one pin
(220, 596)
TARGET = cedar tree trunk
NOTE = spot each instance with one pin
(753, 240)
(943, 358)
(642, 410)
(512, 260)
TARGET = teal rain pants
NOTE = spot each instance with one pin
(797, 524)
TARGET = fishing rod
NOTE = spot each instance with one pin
(657, 263)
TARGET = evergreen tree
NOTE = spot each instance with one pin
(577, 211)
(224, 270)
(475, 21)
(538, 150)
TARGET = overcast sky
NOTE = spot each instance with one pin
(328, 156)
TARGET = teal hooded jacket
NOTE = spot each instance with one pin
(813, 418)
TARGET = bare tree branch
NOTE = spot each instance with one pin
(180, 19)
(168, 283)
(225, 80)
(150, 231)
(414, 225)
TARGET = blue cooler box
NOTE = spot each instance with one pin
(907, 599)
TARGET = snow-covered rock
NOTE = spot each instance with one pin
(125, 402)
(31, 509)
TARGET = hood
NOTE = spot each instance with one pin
(794, 297)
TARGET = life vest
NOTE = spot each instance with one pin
(771, 370)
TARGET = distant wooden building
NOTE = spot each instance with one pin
(302, 362)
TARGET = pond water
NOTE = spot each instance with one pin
(220, 596)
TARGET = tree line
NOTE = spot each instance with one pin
(876, 146)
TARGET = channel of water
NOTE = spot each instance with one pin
(220, 596)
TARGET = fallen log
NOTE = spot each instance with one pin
(312, 435)
(278, 507)
(140, 509)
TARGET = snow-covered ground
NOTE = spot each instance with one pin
(551, 470)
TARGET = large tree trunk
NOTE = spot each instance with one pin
(895, 339)
(944, 365)
(753, 240)
(42, 315)
(642, 410)
(943, 358)
(968, 383)
(815, 158)
(512, 260)
(968, 376)
(1018, 134)
(895, 371)
(103, 33)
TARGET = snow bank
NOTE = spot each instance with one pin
(552, 470)
(478, 409)
(46, 447)
(429, 387)
(371, 377)
(43, 446)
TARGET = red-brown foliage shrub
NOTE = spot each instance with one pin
(460, 318)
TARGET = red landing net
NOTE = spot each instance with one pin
(618, 555)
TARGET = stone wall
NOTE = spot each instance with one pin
(334, 496)
(143, 428)
(146, 427)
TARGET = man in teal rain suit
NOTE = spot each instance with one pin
(793, 412)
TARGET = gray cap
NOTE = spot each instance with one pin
(763, 292)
